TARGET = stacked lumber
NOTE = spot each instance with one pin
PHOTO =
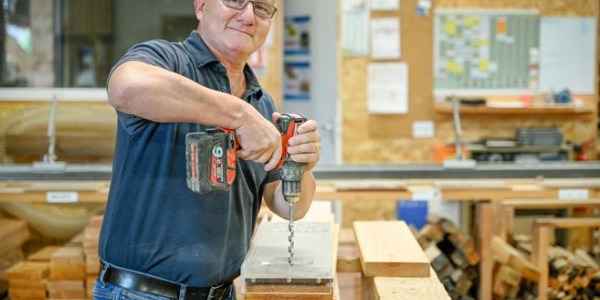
(348, 266)
(452, 255)
(91, 234)
(13, 234)
(58, 272)
(572, 275)
(67, 273)
(27, 280)
(514, 274)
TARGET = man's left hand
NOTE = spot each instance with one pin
(305, 146)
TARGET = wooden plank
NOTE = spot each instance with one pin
(548, 203)
(539, 256)
(485, 221)
(568, 222)
(13, 234)
(407, 288)
(508, 255)
(388, 248)
(28, 270)
(44, 254)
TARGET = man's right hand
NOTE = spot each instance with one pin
(259, 139)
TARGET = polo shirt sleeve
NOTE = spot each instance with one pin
(159, 53)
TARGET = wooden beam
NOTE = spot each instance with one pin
(548, 203)
(568, 222)
(409, 288)
(388, 248)
(539, 256)
(485, 221)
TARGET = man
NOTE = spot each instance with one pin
(159, 239)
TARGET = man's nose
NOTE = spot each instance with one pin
(249, 8)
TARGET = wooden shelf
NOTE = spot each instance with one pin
(445, 108)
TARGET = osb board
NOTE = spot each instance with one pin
(370, 138)
(370, 209)
(364, 134)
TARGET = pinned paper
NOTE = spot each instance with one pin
(450, 28)
(453, 67)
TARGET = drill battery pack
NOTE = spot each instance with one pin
(210, 160)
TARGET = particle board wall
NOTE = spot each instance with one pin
(372, 138)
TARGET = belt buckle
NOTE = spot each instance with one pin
(211, 292)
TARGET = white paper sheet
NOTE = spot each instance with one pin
(385, 38)
(388, 88)
(385, 4)
(355, 27)
(567, 52)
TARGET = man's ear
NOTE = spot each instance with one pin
(199, 8)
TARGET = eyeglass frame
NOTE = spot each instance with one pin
(253, 7)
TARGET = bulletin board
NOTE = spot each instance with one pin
(485, 50)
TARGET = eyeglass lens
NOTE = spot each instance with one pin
(261, 9)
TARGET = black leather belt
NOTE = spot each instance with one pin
(153, 285)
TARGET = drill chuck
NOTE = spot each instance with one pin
(291, 176)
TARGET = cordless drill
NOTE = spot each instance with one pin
(211, 159)
(211, 164)
(291, 172)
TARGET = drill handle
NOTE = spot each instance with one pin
(287, 124)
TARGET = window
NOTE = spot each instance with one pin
(74, 43)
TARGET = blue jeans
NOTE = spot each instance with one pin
(107, 291)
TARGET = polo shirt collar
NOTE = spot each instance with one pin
(203, 57)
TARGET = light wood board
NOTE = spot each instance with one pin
(388, 248)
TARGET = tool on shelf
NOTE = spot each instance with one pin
(460, 162)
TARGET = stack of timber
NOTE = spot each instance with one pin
(13, 234)
(571, 274)
(91, 234)
(348, 266)
(58, 272)
(393, 263)
(27, 280)
(515, 276)
(67, 273)
(452, 255)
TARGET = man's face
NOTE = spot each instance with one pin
(232, 33)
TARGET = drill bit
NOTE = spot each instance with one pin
(292, 173)
(291, 235)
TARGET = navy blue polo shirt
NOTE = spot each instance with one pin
(153, 223)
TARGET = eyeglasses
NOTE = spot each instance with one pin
(261, 9)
